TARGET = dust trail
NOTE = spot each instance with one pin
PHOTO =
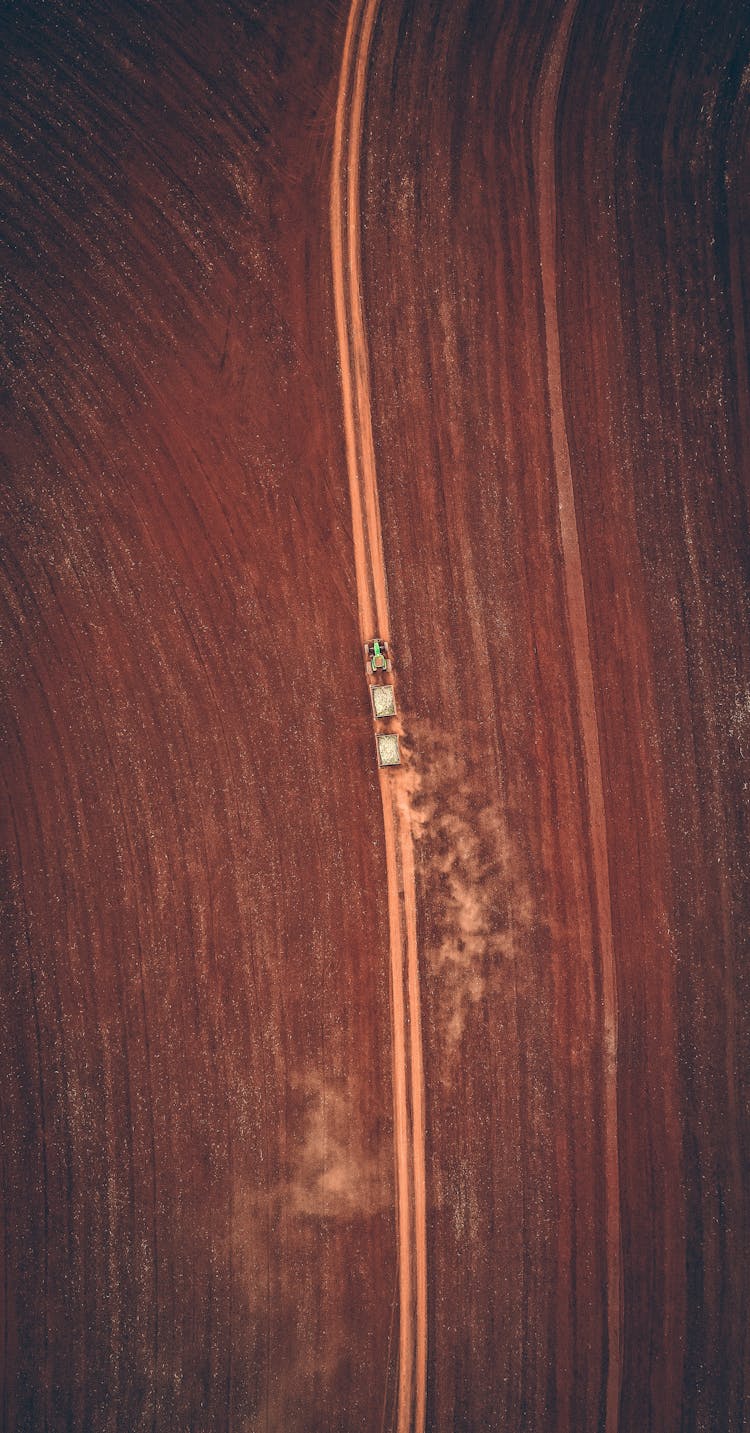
(482, 912)
(372, 599)
(545, 173)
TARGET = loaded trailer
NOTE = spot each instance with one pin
(383, 700)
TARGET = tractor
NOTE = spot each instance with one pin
(376, 656)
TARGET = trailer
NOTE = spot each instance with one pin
(383, 700)
(389, 753)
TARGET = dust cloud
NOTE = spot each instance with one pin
(480, 913)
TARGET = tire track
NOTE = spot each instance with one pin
(582, 665)
(372, 599)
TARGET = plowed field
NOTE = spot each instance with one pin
(335, 1098)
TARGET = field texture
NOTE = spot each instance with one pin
(335, 1098)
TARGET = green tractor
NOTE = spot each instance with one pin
(376, 656)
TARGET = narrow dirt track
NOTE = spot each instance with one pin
(332, 1099)
(409, 1122)
(580, 642)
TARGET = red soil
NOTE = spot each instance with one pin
(196, 1052)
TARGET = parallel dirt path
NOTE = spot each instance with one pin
(408, 1076)
(582, 663)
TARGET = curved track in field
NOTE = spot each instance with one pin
(580, 641)
(408, 1077)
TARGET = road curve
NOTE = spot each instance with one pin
(372, 598)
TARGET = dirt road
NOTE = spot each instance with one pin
(408, 1073)
(332, 1098)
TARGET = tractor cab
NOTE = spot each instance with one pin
(376, 656)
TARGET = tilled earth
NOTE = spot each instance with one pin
(195, 1050)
